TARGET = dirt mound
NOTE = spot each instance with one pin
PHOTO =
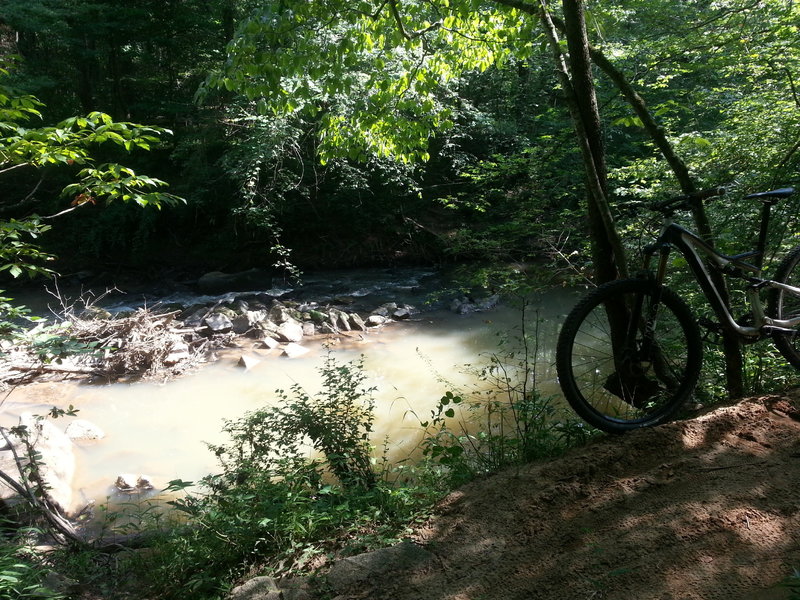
(701, 509)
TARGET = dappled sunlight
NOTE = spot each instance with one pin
(692, 510)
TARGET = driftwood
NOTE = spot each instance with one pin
(145, 344)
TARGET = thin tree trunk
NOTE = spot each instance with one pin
(607, 250)
(731, 346)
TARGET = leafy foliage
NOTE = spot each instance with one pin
(277, 505)
(505, 420)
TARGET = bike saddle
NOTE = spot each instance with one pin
(781, 193)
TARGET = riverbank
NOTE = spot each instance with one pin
(701, 509)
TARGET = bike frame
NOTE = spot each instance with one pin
(691, 248)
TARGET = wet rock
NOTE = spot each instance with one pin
(81, 430)
(376, 320)
(248, 320)
(318, 317)
(218, 323)
(401, 314)
(309, 329)
(290, 331)
(488, 303)
(356, 322)
(269, 343)
(328, 329)
(247, 361)
(385, 309)
(279, 314)
(129, 483)
(294, 350)
(339, 319)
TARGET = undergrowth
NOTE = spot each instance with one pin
(300, 483)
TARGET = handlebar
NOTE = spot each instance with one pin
(684, 202)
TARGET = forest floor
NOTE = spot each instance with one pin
(707, 508)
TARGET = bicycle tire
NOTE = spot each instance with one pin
(783, 306)
(654, 387)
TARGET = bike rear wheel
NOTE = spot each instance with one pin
(638, 372)
(783, 305)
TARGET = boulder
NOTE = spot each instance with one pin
(57, 459)
(339, 319)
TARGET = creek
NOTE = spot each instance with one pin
(161, 430)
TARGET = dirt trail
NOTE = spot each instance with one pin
(702, 509)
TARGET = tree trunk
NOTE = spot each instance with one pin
(576, 80)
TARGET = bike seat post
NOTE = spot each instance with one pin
(766, 207)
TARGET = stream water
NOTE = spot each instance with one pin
(161, 430)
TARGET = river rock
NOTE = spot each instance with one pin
(248, 362)
(269, 343)
(356, 322)
(375, 320)
(129, 483)
(81, 430)
(246, 321)
(294, 350)
(339, 319)
(318, 317)
(218, 323)
(279, 314)
(193, 317)
(57, 460)
(401, 314)
(309, 329)
(290, 331)
(327, 329)
(488, 303)
(385, 309)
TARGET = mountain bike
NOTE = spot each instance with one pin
(629, 353)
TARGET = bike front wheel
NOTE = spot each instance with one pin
(784, 305)
(629, 355)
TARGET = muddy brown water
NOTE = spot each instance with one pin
(161, 430)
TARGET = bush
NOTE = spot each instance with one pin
(297, 481)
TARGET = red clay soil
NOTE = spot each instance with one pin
(707, 508)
